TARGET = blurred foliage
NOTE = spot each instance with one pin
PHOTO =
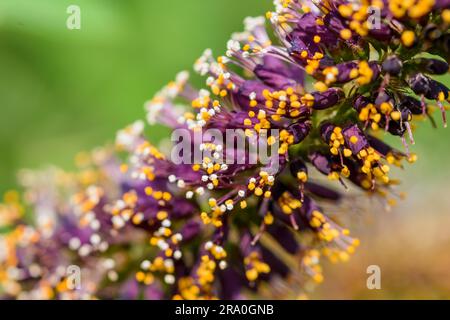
(62, 91)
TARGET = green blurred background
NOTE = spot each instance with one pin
(62, 91)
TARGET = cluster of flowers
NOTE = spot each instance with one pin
(332, 77)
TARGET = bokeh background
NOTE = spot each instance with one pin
(63, 91)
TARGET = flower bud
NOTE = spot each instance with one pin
(419, 83)
(432, 66)
(327, 99)
(392, 65)
(300, 131)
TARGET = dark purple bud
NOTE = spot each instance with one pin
(437, 90)
(392, 65)
(396, 128)
(428, 87)
(361, 102)
(326, 129)
(412, 104)
(322, 191)
(320, 162)
(300, 131)
(355, 139)
(419, 83)
(327, 99)
(432, 66)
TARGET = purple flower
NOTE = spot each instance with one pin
(143, 226)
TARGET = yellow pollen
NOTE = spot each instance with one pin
(446, 16)
(346, 34)
(408, 38)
